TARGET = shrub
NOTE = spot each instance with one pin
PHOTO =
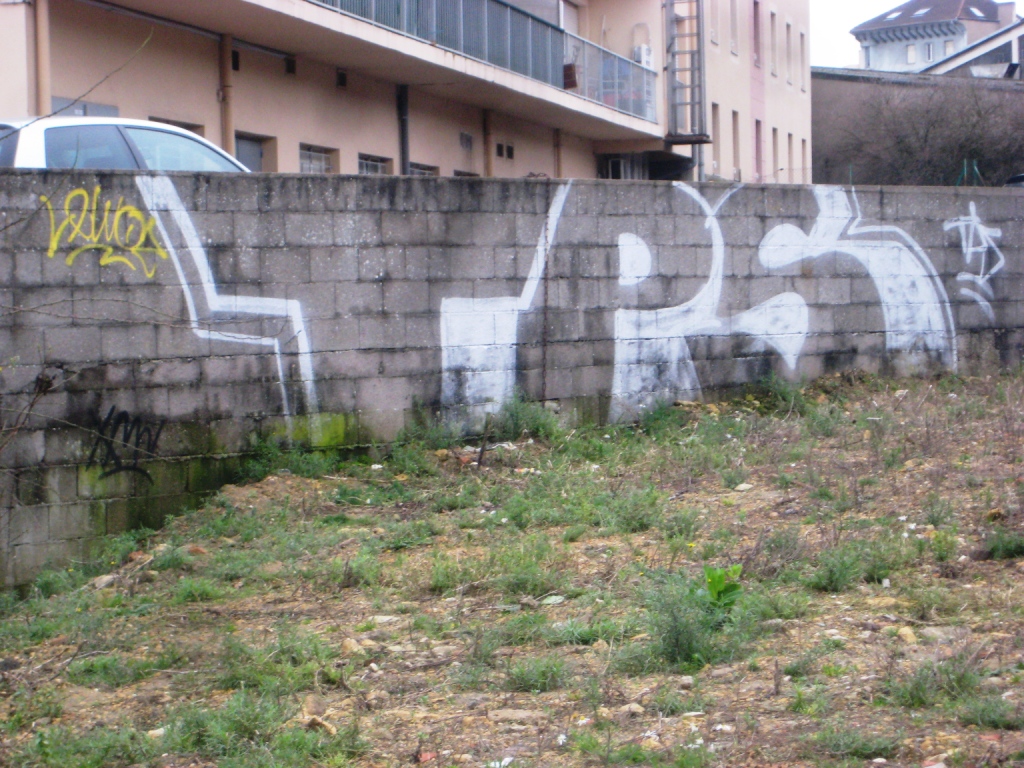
(191, 590)
(519, 418)
(838, 568)
(993, 712)
(851, 742)
(537, 675)
(1004, 545)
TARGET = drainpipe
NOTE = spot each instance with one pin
(558, 153)
(403, 129)
(488, 146)
(227, 112)
(44, 95)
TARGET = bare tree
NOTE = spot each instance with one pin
(924, 136)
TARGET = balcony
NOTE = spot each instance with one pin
(497, 33)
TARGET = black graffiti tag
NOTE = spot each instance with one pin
(122, 442)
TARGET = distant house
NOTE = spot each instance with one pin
(920, 34)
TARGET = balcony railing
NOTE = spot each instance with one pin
(498, 33)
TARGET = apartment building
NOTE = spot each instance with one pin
(494, 88)
(918, 34)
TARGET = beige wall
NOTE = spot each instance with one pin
(781, 101)
(17, 54)
(304, 108)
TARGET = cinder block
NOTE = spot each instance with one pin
(310, 229)
(333, 264)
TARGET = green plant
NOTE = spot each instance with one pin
(363, 570)
(944, 546)
(841, 741)
(189, 590)
(115, 670)
(723, 586)
(406, 535)
(993, 712)
(682, 624)
(811, 701)
(537, 675)
(98, 748)
(519, 418)
(528, 567)
(1004, 545)
(27, 705)
(838, 569)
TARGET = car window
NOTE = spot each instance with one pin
(165, 151)
(8, 146)
(88, 146)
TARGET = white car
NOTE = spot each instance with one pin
(108, 143)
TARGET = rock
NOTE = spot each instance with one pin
(717, 674)
(147, 577)
(632, 709)
(516, 716)
(377, 699)
(471, 700)
(553, 600)
(319, 724)
(906, 634)
(103, 582)
(686, 683)
(368, 644)
(196, 550)
(156, 733)
(444, 651)
(743, 487)
(350, 647)
(600, 646)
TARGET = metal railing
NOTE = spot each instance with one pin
(502, 35)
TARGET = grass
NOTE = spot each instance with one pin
(838, 741)
(580, 571)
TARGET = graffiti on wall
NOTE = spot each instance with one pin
(122, 442)
(206, 304)
(119, 233)
(978, 241)
(480, 336)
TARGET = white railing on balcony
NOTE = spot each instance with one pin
(502, 35)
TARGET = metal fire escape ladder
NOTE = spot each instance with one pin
(684, 33)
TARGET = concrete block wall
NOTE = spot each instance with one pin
(151, 325)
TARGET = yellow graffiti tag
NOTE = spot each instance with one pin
(121, 234)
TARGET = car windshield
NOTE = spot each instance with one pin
(8, 146)
(166, 151)
(88, 146)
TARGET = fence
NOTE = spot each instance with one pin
(509, 38)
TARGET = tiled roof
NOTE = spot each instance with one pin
(930, 11)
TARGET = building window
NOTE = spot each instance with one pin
(803, 62)
(775, 155)
(716, 139)
(929, 52)
(250, 152)
(950, 47)
(317, 159)
(867, 57)
(803, 160)
(774, 32)
(789, 53)
(714, 18)
(758, 151)
(911, 54)
(419, 169)
(737, 174)
(371, 165)
(790, 158)
(570, 18)
(467, 174)
(734, 26)
(757, 33)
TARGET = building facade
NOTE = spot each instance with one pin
(595, 88)
(916, 35)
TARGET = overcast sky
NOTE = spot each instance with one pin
(832, 45)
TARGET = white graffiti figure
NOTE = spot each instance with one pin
(652, 354)
(976, 239)
(206, 305)
(479, 336)
(918, 318)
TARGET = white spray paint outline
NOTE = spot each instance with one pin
(652, 354)
(161, 197)
(977, 239)
(916, 309)
(480, 336)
